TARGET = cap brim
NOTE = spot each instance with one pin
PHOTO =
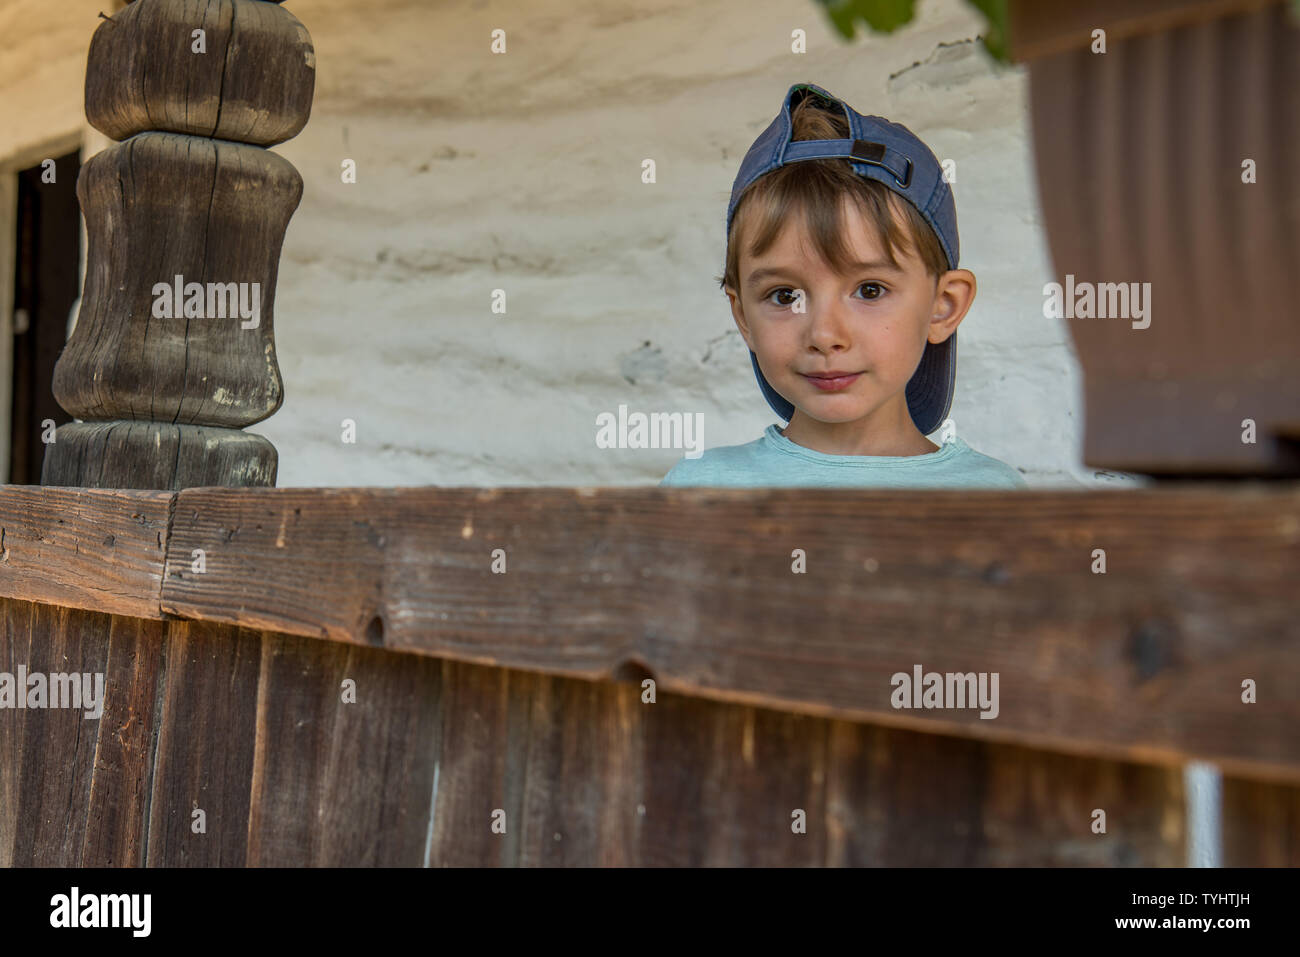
(929, 391)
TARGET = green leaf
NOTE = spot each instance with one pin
(841, 16)
(995, 37)
(882, 16)
(886, 16)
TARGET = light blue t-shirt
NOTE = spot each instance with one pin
(773, 461)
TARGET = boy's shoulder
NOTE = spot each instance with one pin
(987, 471)
(718, 466)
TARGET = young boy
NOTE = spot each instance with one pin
(841, 270)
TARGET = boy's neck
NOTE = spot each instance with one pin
(862, 437)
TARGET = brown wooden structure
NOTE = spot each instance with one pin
(522, 692)
(190, 200)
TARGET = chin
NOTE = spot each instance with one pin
(831, 419)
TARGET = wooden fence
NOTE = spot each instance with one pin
(500, 712)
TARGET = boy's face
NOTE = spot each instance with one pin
(872, 323)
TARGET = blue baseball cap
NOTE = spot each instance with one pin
(889, 153)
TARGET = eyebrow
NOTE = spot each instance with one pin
(769, 272)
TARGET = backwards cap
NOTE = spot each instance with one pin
(890, 154)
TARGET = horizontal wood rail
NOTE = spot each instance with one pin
(695, 588)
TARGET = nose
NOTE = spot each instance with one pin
(828, 326)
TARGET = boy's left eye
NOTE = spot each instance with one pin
(880, 290)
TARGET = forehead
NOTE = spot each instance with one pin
(795, 245)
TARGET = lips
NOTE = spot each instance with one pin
(832, 381)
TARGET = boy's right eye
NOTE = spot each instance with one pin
(794, 296)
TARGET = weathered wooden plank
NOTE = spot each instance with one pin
(1261, 824)
(116, 833)
(1143, 662)
(873, 796)
(56, 745)
(582, 772)
(934, 800)
(610, 781)
(675, 782)
(205, 746)
(744, 771)
(479, 767)
(94, 549)
(390, 734)
(15, 649)
(339, 782)
(295, 723)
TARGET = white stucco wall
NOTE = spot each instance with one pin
(523, 172)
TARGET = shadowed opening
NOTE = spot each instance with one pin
(633, 670)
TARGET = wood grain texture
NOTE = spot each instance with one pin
(676, 782)
(1261, 824)
(205, 746)
(56, 746)
(158, 206)
(340, 782)
(589, 775)
(583, 765)
(389, 735)
(254, 83)
(95, 549)
(117, 822)
(481, 757)
(158, 455)
(15, 648)
(1144, 662)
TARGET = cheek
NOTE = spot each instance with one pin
(890, 338)
(777, 338)
(896, 346)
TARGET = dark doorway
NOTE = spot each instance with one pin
(45, 287)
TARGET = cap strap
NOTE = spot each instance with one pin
(861, 151)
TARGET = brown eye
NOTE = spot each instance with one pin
(880, 290)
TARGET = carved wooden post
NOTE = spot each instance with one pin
(173, 352)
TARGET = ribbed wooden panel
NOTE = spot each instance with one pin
(1140, 154)
(250, 727)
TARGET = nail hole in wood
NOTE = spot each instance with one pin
(633, 670)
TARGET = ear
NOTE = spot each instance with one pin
(738, 314)
(953, 296)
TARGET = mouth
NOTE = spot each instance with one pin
(832, 381)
